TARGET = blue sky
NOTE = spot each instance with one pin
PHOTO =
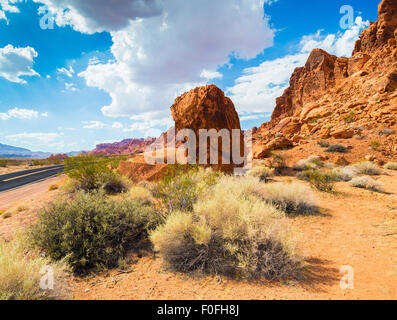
(107, 72)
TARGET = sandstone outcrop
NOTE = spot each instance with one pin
(341, 98)
(207, 108)
(124, 147)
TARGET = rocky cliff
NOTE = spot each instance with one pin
(341, 98)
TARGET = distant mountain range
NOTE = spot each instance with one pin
(7, 151)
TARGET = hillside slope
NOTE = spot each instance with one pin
(342, 98)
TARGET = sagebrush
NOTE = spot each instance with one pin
(230, 231)
(91, 231)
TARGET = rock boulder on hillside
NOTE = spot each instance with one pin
(207, 108)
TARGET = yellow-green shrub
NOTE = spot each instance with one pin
(91, 231)
(230, 231)
(290, 197)
(20, 273)
(262, 172)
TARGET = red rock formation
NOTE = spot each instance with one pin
(339, 98)
(125, 147)
(207, 108)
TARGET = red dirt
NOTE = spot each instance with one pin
(358, 228)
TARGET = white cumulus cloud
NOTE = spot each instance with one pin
(20, 113)
(17, 62)
(33, 137)
(93, 124)
(90, 16)
(159, 57)
(258, 87)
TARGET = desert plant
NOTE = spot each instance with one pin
(365, 183)
(293, 198)
(321, 180)
(6, 215)
(20, 273)
(91, 231)
(349, 117)
(262, 172)
(93, 173)
(21, 208)
(3, 163)
(312, 162)
(182, 185)
(374, 145)
(235, 236)
(277, 162)
(344, 174)
(391, 166)
(142, 194)
(367, 167)
(339, 148)
(53, 187)
(323, 144)
(386, 131)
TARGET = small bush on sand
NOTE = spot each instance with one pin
(236, 236)
(93, 173)
(321, 180)
(338, 148)
(92, 232)
(3, 163)
(262, 172)
(386, 131)
(391, 166)
(142, 194)
(323, 144)
(365, 183)
(6, 215)
(293, 198)
(344, 174)
(374, 145)
(53, 187)
(367, 167)
(182, 185)
(20, 273)
(276, 162)
(312, 162)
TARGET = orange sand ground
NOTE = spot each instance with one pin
(357, 228)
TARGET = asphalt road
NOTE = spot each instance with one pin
(17, 179)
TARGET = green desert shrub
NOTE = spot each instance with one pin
(323, 144)
(386, 131)
(277, 162)
(236, 236)
(344, 174)
(312, 162)
(367, 167)
(292, 198)
(391, 166)
(20, 273)
(182, 186)
(93, 173)
(91, 231)
(142, 194)
(262, 172)
(365, 183)
(3, 163)
(338, 148)
(321, 180)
